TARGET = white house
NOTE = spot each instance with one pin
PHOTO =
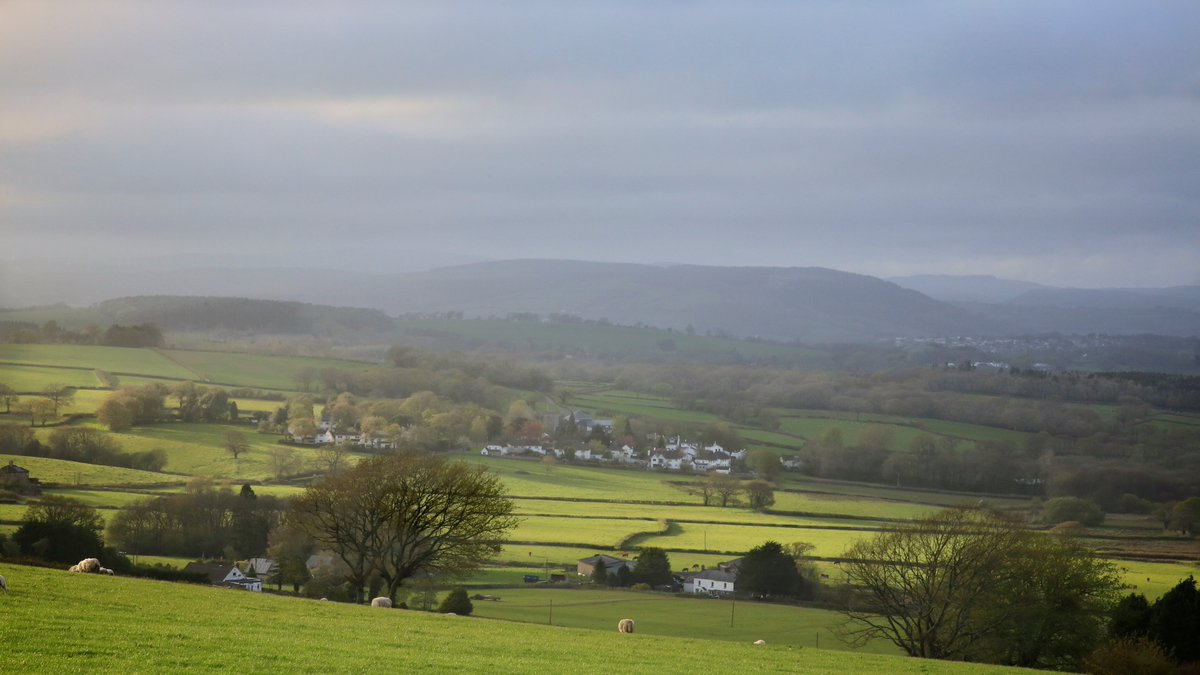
(710, 582)
(494, 451)
(224, 575)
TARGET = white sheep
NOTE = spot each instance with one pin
(86, 566)
(625, 626)
(760, 642)
(105, 570)
(381, 602)
(3, 584)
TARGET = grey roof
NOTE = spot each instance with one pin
(715, 575)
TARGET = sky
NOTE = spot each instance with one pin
(1055, 142)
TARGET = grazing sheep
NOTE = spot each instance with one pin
(625, 626)
(324, 599)
(381, 602)
(760, 642)
(86, 566)
(3, 585)
(105, 570)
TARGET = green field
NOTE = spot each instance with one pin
(253, 370)
(106, 624)
(33, 379)
(63, 472)
(110, 359)
(676, 616)
(737, 539)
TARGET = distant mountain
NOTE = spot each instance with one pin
(1182, 297)
(809, 304)
(966, 288)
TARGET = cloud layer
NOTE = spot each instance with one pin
(1054, 142)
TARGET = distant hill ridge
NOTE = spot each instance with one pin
(186, 313)
(805, 304)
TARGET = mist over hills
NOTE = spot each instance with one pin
(804, 304)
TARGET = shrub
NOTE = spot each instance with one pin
(1129, 656)
(1062, 509)
(640, 587)
(457, 602)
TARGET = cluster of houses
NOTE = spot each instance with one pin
(678, 455)
(718, 582)
(328, 435)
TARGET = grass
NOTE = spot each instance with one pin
(63, 472)
(676, 616)
(594, 531)
(1153, 579)
(57, 622)
(199, 449)
(253, 370)
(32, 379)
(111, 359)
(736, 539)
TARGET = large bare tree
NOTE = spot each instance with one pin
(401, 515)
(973, 584)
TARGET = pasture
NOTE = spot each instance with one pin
(137, 625)
(63, 472)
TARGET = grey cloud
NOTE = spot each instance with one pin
(878, 137)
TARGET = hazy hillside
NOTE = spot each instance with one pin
(809, 304)
(966, 288)
(1184, 297)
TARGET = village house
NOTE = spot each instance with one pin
(228, 576)
(710, 582)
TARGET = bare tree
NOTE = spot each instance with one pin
(973, 584)
(58, 394)
(284, 462)
(331, 459)
(236, 443)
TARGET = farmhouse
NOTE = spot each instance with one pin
(587, 566)
(711, 582)
(16, 478)
(224, 575)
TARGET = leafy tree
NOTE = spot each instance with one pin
(600, 573)
(768, 571)
(760, 494)
(725, 488)
(1064, 509)
(235, 443)
(457, 602)
(118, 411)
(764, 463)
(8, 397)
(60, 529)
(1175, 621)
(1130, 617)
(404, 514)
(1185, 516)
(653, 567)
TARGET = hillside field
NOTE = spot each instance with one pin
(106, 624)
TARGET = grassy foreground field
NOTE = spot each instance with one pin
(55, 622)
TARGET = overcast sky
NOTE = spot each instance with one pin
(1051, 141)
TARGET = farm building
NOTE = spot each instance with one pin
(16, 478)
(587, 566)
(224, 575)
